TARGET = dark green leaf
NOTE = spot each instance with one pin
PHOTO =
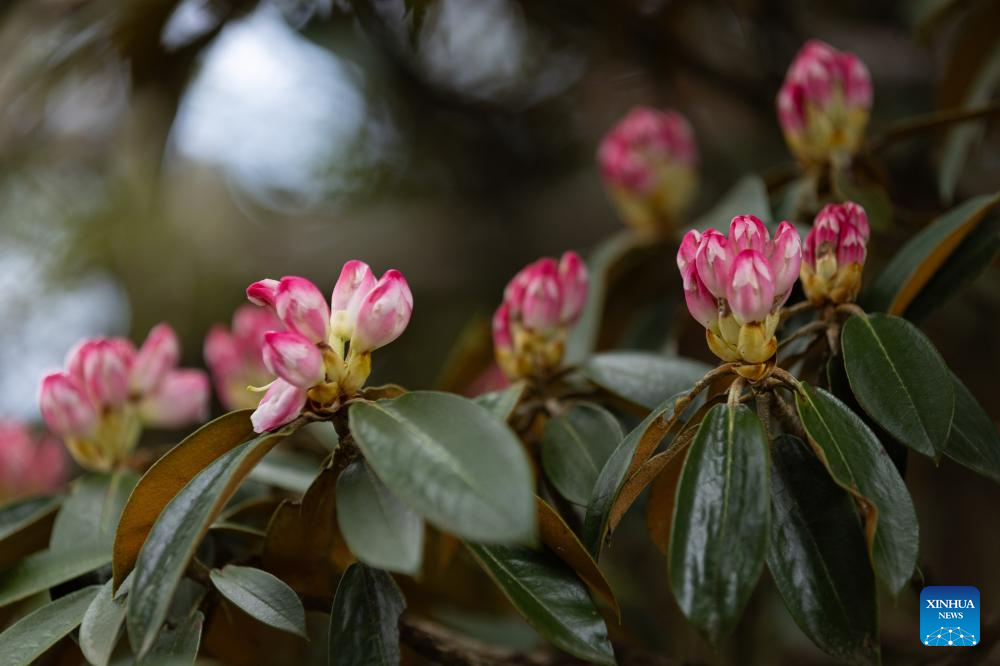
(441, 454)
(287, 470)
(859, 464)
(900, 380)
(974, 441)
(29, 638)
(747, 197)
(720, 528)
(176, 645)
(89, 515)
(16, 516)
(380, 530)
(817, 555)
(43, 570)
(364, 621)
(501, 403)
(575, 447)
(25, 527)
(550, 597)
(262, 596)
(178, 530)
(102, 625)
(641, 378)
(920, 259)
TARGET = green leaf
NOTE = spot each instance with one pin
(28, 638)
(721, 520)
(102, 625)
(624, 460)
(364, 620)
(286, 470)
(502, 403)
(900, 380)
(643, 379)
(25, 527)
(262, 596)
(551, 598)
(817, 556)
(161, 483)
(575, 447)
(747, 197)
(441, 454)
(178, 530)
(89, 515)
(48, 568)
(858, 463)
(380, 530)
(974, 441)
(176, 645)
(920, 259)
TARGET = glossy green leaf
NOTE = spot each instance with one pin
(647, 436)
(642, 378)
(440, 454)
(28, 638)
(261, 596)
(575, 447)
(720, 529)
(916, 263)
(176, 645)
(900, 380)
(177, 532)
(817, 555)
(47, 568)
(502, 403)
(16, 516)
(286, 470)
(379, 529)
(550, 597)
(364, 620)
(101, 626)
(747, 197)
(858, 463)
(89, 515)
(974, 441)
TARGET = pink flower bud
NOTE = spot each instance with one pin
(786, 259)
(157, 356)
(293, 358)
(852, 247)
(384, 313)
(646, 141)
(688, 249)
(513, 293)
(235, 359)
(747, 232)
(28, 465)
(222, 353)
(573, 286)
(502, 338)
(355, 282)
(704, 307)
(263, 292)
(751, 287)
(542, 302)
(249, 326)
(303, 308)
(180, 399)
(713, 261)
(65, 405)
(280, 405)
(104, 366)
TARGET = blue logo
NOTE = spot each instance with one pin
(949, 616)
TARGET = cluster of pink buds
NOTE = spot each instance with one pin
(834, 254)
(324, 355)
(28, 465)
(235, 356)
(823, 104)
(540, 305)
(735, 287)
(109, 390)
(648, 164)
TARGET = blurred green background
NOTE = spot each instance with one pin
(156, 156)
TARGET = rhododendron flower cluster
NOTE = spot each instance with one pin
(234, 356)
(734, 286)
(834, 254)
(823, 104)
(540, 305)
(28, 465)
(648, 164)
(109, 390)
(324, 354)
